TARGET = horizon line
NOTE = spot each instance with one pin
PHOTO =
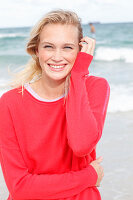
(93, 22)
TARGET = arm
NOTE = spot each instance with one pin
(24, 185)
(86, 107)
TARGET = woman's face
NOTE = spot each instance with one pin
(57, 50)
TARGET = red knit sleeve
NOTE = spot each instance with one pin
(86, 107)
(24, 185)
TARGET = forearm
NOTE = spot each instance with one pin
(24, 185)
(82, 127)
(86, 107)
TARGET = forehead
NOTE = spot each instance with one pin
(59, 32)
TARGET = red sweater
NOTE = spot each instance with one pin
(46, 147)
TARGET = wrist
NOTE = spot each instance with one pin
(82, 63)
(94, 174)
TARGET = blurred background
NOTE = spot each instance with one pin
(113, 60)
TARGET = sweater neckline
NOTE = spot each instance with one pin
(38, 99)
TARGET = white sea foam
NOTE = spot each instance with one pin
(112, 54)
(101, 42)
(12, 35)
(121, 98)
(4, 87)
(3, 83)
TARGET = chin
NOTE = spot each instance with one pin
(58, 78)
(57, 75)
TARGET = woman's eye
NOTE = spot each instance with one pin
(47, 46)
(67, 47)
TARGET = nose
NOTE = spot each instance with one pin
(57, 56)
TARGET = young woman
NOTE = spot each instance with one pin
(52, 120)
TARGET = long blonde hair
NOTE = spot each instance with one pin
(32, 70)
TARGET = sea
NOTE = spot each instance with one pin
(113, 60)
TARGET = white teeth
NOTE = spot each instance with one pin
(57, 67)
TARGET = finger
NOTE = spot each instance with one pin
(84, 47)
(93, 47)
(90, 45)
(100, 159)
(98, 185)
(87, 40)
(87, 48)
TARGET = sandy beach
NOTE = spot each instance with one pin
(115, 147)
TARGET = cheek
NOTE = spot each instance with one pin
(71, 57)
(43, 56)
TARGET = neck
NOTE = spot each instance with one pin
(51, 89)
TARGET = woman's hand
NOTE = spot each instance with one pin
(99, 169)
(88, 45)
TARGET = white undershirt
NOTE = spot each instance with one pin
(33, 93)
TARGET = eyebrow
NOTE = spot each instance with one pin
(53, 44)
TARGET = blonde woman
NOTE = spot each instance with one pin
(53, 117)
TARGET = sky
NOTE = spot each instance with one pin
(20, 13)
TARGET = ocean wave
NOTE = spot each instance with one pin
(121, 98)
(101, 42)
(112, 54)
(3, 84)
(12, 35)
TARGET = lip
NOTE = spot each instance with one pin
(57, 64)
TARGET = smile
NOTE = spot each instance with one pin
(57, 68)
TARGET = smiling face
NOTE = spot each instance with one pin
(57, 50)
